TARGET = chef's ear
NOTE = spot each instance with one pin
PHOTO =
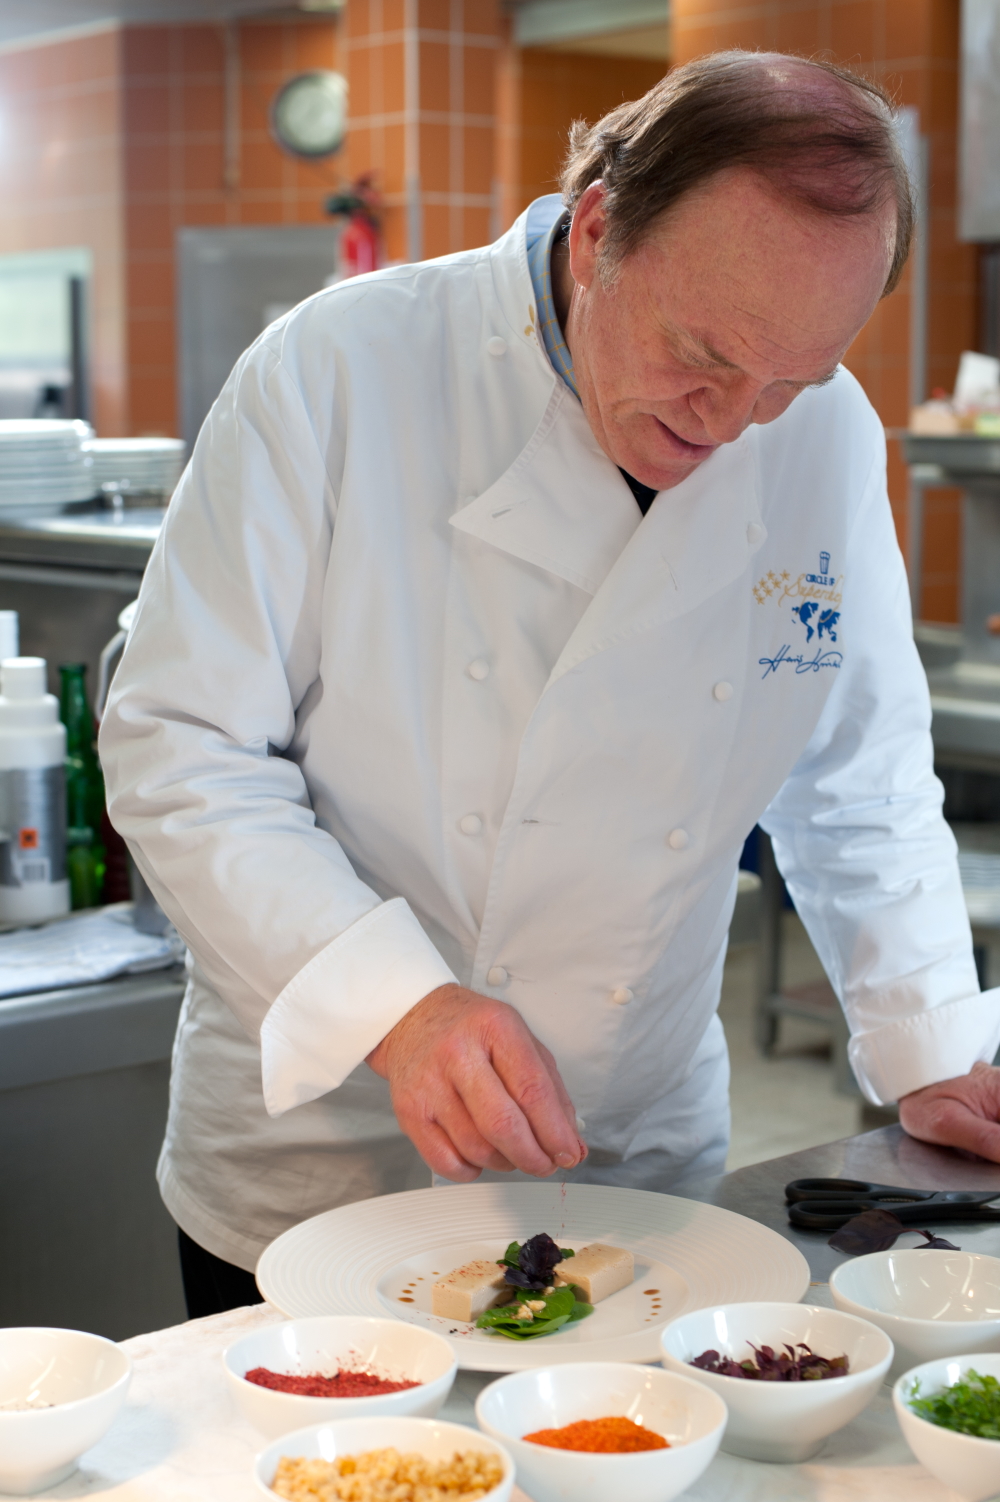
(586, 233)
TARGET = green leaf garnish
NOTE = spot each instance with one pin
(561, 1307)
(972, 1406)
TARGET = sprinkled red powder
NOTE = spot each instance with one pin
(340, 1385)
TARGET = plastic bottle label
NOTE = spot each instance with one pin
(32, 825)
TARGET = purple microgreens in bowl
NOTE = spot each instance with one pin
(877, 1231)
(769, 1367)
(533, 1265)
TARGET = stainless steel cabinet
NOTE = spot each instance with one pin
(85, 1241)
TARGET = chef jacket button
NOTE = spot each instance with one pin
(677, 839)
(471, 824)
(621, 996)
(497, 976)
(479, 669)
(755, 534)
(722, 691)
(496, 346)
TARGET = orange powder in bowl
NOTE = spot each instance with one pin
(611, 1436)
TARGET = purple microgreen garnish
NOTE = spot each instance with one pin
(877, 1231)
(771, 1367)
(536, 1262)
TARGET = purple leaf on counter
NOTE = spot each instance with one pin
(877, 1231)
(871, 1231)
(938, 1241)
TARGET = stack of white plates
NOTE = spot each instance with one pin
(148, 464)
(43, 462)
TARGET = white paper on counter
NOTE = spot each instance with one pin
(180, 1438)
(79, 951)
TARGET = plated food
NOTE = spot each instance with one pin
(381, 1257)
(532, 1290)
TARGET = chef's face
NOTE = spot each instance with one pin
(736, 302)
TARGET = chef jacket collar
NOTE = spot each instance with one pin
(563, 505)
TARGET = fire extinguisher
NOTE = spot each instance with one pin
(360, 247)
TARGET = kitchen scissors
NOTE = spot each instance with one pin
(825, 1204)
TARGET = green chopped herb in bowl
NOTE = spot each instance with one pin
(971, 1406)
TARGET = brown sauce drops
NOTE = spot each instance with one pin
(405, 1300)
(651, 1290)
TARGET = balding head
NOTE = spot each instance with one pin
(821, 136)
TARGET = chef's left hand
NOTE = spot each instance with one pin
(963, 1112)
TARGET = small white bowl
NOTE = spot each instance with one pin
(690, 1418)
(968, 1465)
(930, 1303)
(781, 1421)
(430, 1437)
(302, 1346)
(85, 1379)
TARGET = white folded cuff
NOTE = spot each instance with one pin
(338, 1007)
(926, 1047)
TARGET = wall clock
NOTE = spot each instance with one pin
(309, 114)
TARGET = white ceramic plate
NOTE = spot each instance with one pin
(380, 1256)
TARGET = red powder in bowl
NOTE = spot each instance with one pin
(340, 1385)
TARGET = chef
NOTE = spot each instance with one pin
(503, 595)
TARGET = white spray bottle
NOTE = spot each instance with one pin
(33, 881)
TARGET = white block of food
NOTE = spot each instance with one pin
(466, 1292)
(597, 1271)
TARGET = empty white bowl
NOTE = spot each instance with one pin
(968, 1465)
(429, 1437)
(930, 1303)
(83, 1377)
(302, 1346)
(689, 1417)
(781, 1421)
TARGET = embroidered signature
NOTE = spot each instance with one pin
(799, 661)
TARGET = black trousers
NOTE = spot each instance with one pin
(212, 1286)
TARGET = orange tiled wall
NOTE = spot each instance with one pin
(542, 93)
(422, 82)
(176, 170)
(911, 46)
(60, 182)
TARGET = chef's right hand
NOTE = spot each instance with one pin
(473, 1088)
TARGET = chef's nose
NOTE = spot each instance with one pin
(726, 409)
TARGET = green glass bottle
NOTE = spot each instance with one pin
(85, 853)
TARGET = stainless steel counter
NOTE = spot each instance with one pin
(86, 536)
(68, 574)
(886, 1156)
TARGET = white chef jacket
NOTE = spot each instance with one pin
(414, 692)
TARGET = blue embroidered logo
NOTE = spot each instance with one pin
(827, 620)
(816, 611)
